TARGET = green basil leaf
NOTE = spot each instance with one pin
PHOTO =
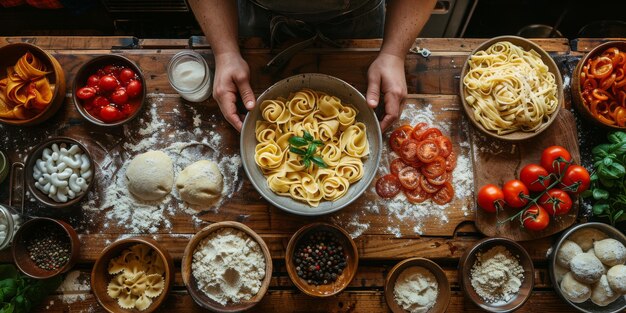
(307, 162)
(311, 149)
(618, 148)
(616, 137)
(297, 151)
(8, 289)
(308, 136)
(7, 308)
(618, 215)
(607, 182)
(607, 173)
(297, 141)
(318, 161)
(600, 194)
(599, 208)
(318, 142)
(586, 194)
(607, 161)
(601, 150)
(618, 169)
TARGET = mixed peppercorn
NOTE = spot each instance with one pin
(319, 258)
(49, 248)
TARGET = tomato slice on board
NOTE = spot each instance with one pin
(409, 178)
(439, 180)
(427, 186)
(435, 168)
(417, 195)
(451, 161)
(397, 165)
(388, 186)
(445, 146)
(427, 151)
(431, 133)
(408, 150)
(418, 130)
(444, 195)
(396, 139)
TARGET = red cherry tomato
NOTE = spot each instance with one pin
(85, 93)
(490, 198)
(554, 159)
(397, 165)
(100, 102)
(127, 109)
(444, 195)
(556, 202)
(111, 69)
(431, 133)
(535, 218)
(108, 83)
(109, 114)
(435, 168)
(418, 130)
(397, 138)
(417, 195)
(427, 151)
(408, 150)
(514, 193)
(576, 179)
(409, 178)
(119, 96)
(126, 75)
(535, 177)
(388, 186)
(133, 89)
(93, 80)
(445, 146)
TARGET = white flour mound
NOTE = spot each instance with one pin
(416, 289)
(496, 275)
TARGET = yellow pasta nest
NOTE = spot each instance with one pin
(510, 89)
(326, 119)
(138, 277)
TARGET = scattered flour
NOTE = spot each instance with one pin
(496, 275)
(74, 288)
(416, 289)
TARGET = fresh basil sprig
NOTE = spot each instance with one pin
(19, 293)
(306, 146)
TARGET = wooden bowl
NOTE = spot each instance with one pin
(332, 86)
(9, 55)
(443, 295)
(20, 253)
(90, 68)
(467, 261)
(577, 98)
(343, 280)
(190, 281)
(100, 276)
(545, 57)
(30, 181)
(618, 305)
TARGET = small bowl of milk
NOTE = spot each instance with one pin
(190, 76)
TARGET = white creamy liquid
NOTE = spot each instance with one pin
(188, 76)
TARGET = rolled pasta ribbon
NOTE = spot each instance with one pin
(302, 103)
(266, 131)
(350, 168)
(268, 155)
(334, 187)
(328, 129)
(347, 116)
(331, 154)
(354, 142)
(329, 107)
(275, 111)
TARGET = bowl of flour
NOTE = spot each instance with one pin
(497, 274)
(227, 267)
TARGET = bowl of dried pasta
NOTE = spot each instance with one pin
(511, 89)
(312, 145)
(32, 85)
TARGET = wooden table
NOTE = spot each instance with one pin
(430, 80)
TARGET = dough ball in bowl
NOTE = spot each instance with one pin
(610, 251)
(200, 183)
(567, 252)
(585, 237)
(617, 278)
(586, 268)
(574, 290)
(601, 292)
(150, 175)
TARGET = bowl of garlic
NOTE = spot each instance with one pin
(59, 172)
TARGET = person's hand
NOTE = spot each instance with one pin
(232, 77)
(386, 76)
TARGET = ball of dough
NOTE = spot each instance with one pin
(586, 268)
(560, 272)
(200, 183)
(601, 292)
(585, 237)
(574, 290)
(617, 278)
(150, 175)
(567, 252)
(610, 251)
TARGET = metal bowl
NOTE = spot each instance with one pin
(618, 305)
(332, 86)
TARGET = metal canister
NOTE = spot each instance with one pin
(10, 221)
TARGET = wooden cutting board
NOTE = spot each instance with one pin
(496, 162)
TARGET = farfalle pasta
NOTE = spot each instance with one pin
(326, 119)
(139, 277)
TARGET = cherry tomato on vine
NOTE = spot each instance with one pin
(515, 193)
(576, 179)
(535, 218)
(490, 198)
(556, 202)
(535, 177)
(555, 158)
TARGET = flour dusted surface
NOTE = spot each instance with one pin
(229, 266)
(416, 289)
(496, 275)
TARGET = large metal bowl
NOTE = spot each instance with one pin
(332, 86)
(618, 305)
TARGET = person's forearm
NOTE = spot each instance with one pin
(403, 22)
(218, 20)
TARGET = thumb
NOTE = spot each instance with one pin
(373, 91)
(246, 94)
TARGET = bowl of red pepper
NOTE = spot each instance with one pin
(109, 90)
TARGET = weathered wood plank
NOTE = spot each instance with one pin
(75, 42)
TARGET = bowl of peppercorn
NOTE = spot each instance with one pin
(321, 259)
(45, 247)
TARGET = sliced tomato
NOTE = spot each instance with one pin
(445, 146)
(439, 180)
(435, 168)
(409, 178)
(396, 139)
(417, 164)
(408, 150)
(397, 165)
(451, 161)
(388, 186)
(444, 195)
(418, 130)
(428, 187)
(431, 133)
(417, 195)
(427, 151)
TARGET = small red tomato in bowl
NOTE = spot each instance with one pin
(133, 89)
(108, 82)
(126, 75)
(86, 93)
(119, 96)
(93, 80)
(109, 113)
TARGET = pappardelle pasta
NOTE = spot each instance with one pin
(342, 145)
(510, 89)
